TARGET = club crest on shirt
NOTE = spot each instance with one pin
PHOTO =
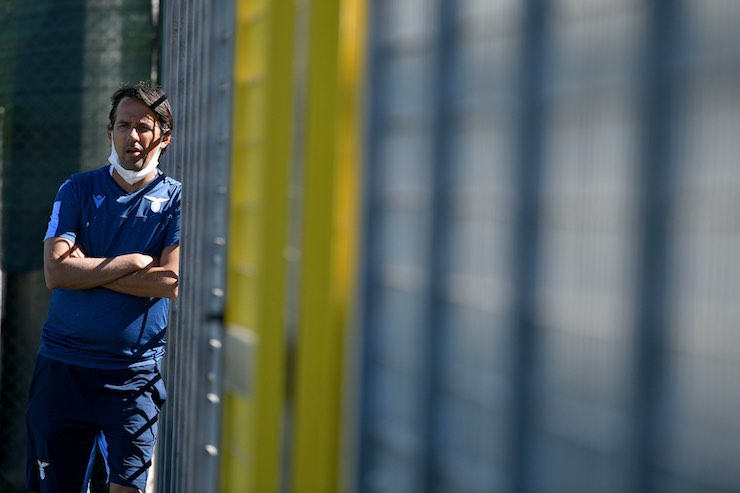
(156, 202)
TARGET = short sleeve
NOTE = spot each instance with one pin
(172, 234)
(64, 219)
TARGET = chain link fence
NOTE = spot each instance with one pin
(60, 61)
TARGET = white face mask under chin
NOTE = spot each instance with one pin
(128, 175)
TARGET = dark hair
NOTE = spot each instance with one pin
(151, 96)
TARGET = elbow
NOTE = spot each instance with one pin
(55, 274)
(52, 280)
(172, 288)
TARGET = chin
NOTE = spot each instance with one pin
(137, 166)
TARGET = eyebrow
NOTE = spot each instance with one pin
(151, 124)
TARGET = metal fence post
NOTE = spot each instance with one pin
(197, 39)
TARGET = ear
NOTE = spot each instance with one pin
(166, 136)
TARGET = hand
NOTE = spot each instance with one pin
(139, 261)
(146, 260)
(76, 252)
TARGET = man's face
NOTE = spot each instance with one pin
(136, 134)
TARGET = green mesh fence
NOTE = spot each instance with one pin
(60, 61)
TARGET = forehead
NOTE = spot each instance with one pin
(134, 110)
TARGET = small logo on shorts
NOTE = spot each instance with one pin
(42, 466)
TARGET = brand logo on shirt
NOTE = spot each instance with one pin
(98, 200)
(42, 466)
(156, 202)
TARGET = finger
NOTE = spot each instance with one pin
(77, 252)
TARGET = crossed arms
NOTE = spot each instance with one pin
(67, 266)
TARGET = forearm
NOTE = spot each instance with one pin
(158, 282)
(88, 272)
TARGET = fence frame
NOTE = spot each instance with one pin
(197, 66)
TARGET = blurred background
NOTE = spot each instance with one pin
(428, 245)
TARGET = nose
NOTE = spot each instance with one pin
(133, 134)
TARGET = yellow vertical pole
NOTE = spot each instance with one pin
(237, 457)
(329, 239)
(352, 37)
(274, 233)
(252, 456)
(318, 365)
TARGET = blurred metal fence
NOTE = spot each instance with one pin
(197, 51)
(60, 61)
(551, 271)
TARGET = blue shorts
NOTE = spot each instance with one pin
(75, 412)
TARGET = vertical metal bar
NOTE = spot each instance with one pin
(318, 361)
(654, 210)
(373, 239)
(352, 39)
(219, 102)
(526, 234)
(272, 411)
(294, 262)
(441, 123)
(165, 445)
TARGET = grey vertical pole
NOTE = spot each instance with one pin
(441, 121)
(528, 209)
(371, 246)
(655, 175)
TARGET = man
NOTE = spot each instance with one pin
(111, 257)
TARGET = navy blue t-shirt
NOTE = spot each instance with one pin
(97, 327)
